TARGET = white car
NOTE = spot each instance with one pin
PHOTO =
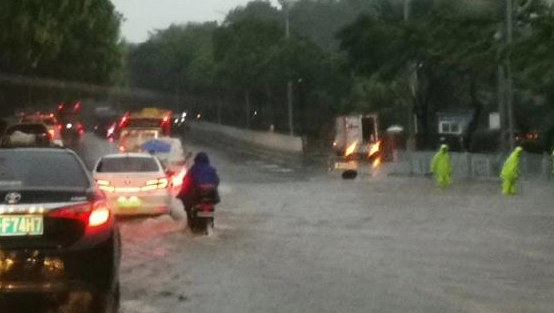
(134, 184)
(174, 161)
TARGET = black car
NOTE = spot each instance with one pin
(41, 137)
(58, 237)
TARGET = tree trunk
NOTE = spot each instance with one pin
(247, 102)
(478, 108)
(269, 105)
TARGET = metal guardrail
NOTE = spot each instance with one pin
(472, 165)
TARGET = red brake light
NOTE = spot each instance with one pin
(99, 216)
(123, 121)
(177, 180)
(77, 212)
(93, 215)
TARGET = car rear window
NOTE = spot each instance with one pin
(38, 119)
(27, 129)
(127, 165)
(143, 122)
(23, 169)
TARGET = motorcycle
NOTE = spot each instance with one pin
(202, 214)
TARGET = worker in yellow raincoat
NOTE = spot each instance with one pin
(440, 166)
(510, 172)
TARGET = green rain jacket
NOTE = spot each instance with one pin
(510, 170)
(440, 165)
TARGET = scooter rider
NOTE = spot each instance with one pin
(200, 176)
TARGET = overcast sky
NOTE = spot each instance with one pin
(142, 16)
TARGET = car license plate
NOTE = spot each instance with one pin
(129, 203)
(21, 225)
(346, 165)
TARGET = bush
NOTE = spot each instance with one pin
(484, 141)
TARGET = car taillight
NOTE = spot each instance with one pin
(110, 131)
(105, 185)
(76, 212)
(177, 180)
(91, 214)
(52, 133)
(100, 215)
(160, 183)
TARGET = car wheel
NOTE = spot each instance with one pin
(106, 301)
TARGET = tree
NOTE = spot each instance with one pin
(450, 52)
(76, 40)
(179, 58)
(244, 52)
(258, 9)
(320, 20)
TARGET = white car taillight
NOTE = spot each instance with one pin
(105, 185)
(160, 183)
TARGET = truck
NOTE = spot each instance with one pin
(137, 128)
(356, 142)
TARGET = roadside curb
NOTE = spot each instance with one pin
(240, 146)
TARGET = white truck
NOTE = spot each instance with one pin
(356, 140)
(143, 126)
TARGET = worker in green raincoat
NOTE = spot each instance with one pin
(510, 172)
(440, 166)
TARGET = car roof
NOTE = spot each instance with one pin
(27, 124)
(51, 149)
(126, 155)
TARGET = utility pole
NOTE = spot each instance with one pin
(286, 6)
(407, 10)
(412, 81)
(501, 106)
(509, 80)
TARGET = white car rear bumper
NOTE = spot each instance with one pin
(143, 203)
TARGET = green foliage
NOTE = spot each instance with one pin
(245, 50)
(352, 55)
(533, 55)
(179, 57)
(319, 20)
(258, 9)
(76, 40)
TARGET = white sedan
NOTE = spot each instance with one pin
(134, 183)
